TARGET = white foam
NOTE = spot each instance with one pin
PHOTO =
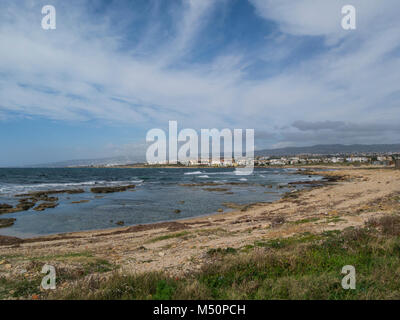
(205, 176)
(18, 188)
(194, 172)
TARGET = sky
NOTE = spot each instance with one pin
(112, 70)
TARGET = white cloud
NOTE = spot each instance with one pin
(355, 76)
(322, 18)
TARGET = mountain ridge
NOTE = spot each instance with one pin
(325, 149)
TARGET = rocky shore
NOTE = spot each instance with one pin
(348, 198)
(41, 200)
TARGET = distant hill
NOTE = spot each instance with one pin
(90, 162)
(325, 149)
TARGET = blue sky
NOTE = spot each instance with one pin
(112, 70)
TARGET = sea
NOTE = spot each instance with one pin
(161, 194)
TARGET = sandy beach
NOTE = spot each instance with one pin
(180, 247)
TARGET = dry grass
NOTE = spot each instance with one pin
(303, 267)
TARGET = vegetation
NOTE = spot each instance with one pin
(307, 266)
(82, 264)
(169, 236)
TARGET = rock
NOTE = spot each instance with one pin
(277, 221)
(4, 223)
(6, 208)
(2, 262)
(120, 223)
(25, 205)
(44, 194)
(49, 199)
(161, 254)
(81, 201)
(74, 191)
(216, 189)
(6, 240)
(22, 206)
(46, 205)
(181, 202)
(220, 210)
(177, 211)
(111, 189)
(11, 210)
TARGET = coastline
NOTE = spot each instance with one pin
(230, 208)
(180, 247)
(300, 166)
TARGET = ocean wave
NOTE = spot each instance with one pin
(20, 188)
(205, 176)
(193, 172)
(243, 179)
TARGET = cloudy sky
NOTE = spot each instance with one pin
(112, 70)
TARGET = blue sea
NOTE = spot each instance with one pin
(158, 194)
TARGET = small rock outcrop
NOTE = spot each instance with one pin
(112, 189)
(6, 208)
(46, 205)
(4, 223)
(6, 241)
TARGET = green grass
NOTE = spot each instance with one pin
(65, 256)
(306, 266)
(334, 219)
(22, 287)
(305, 220)
(169, 236)
(19, 288)
(286, 242)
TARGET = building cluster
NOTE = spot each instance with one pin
(325, 159)
(222, 162)
(374, 159)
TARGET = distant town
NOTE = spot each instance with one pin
(381, 159)
(374, 159)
